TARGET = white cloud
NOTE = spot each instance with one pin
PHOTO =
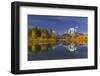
(76, 27)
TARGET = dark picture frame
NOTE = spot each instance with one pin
(15, 37)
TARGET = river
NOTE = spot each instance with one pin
(57, 51)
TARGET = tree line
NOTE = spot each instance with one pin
(38, 32)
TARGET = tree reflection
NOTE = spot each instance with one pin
(35, 48)
(42, 40)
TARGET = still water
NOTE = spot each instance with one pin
(57, 51)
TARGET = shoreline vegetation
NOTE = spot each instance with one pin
(41, 36)
(45, 36)
(44, 39)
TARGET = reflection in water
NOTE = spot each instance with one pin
(71, 47)
(35, 48)
(46, 45)
(56, 50)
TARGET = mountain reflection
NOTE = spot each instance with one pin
(72, 46)
(43, 40)
(35, 48)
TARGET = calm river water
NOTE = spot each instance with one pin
(58, 51)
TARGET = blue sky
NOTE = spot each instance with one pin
(59, 24)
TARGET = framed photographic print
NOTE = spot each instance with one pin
(52, 37)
